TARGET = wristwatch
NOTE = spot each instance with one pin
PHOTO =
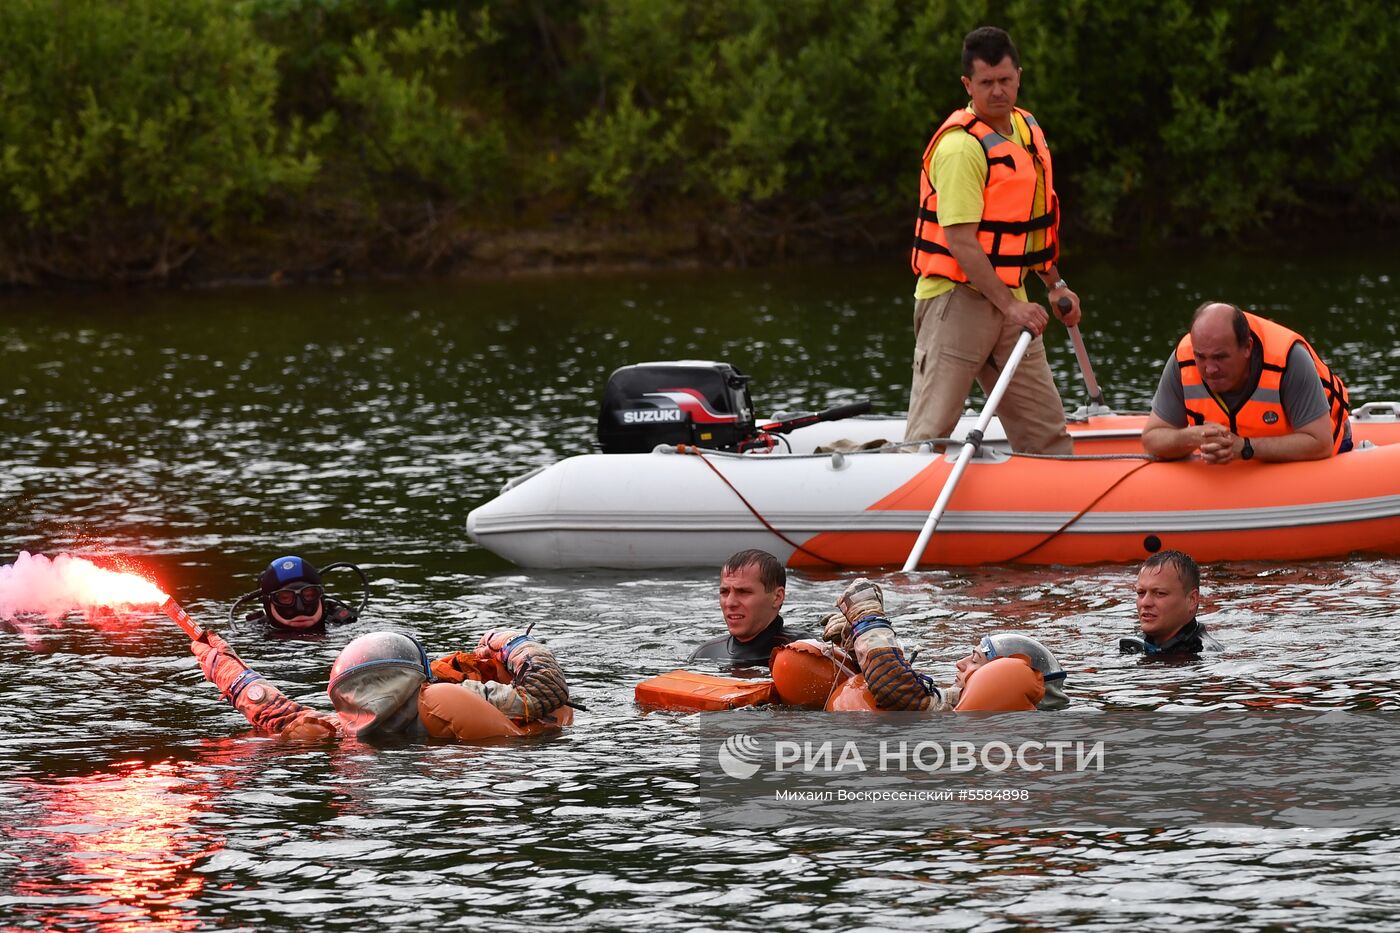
(1247, 451)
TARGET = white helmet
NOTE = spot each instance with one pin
(375, 681)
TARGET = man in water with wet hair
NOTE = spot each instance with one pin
(752, 586)
(1168, 597)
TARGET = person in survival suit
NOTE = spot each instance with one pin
(1008, 644)
(382, 685)
(294, 599)
(752, 586)
(1018, 671)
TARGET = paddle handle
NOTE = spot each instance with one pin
(968, 449)
(1086, 367)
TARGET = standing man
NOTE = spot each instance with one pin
(1168, 598)
(752, 585)
(987, 214)
(1240, 387)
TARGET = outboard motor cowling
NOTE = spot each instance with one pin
(696, 402)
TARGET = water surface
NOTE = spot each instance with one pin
(203, 433)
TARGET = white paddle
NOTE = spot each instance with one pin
(969, 448)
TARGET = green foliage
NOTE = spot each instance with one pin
(398, 120)
(802, 107)
(1181, 117)
(133, 130)
(136, 127)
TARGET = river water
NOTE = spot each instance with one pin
(200, 434)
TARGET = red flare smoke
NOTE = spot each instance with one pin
(33, 584)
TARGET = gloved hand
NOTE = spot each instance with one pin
(535, 674)
(837, 630)
(892, 680)
(861, 599)
(220, 663)
(309, 725)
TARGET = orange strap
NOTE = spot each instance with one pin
(467, 665)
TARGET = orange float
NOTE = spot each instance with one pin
(450, 711)
(1003, 685)
(807, 672)
(852, 696)
(689, 692)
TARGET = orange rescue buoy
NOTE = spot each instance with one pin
(690, 692)
(852, 696)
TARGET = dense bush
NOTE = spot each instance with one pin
(1182, 117)
(133, 131)
(129, 131)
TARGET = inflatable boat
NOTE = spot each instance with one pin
(685, 504)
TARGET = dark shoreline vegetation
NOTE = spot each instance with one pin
(190, 141)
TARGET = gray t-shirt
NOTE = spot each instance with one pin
(1300, 390)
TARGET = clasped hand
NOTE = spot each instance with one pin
(1216, 443)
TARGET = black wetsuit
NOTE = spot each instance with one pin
(1191, 640)
(752, 652)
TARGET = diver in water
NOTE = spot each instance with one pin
(382, 685)
(294, 599)
(1016, 671)
(1168, 598)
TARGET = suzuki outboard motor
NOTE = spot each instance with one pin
(681, 402)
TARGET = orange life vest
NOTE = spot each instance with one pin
(1262, 413)
(1008, 211)
(450, 712)
(1002, 685)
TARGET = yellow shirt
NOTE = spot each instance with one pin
(958, 170)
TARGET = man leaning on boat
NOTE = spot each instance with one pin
(1241, 387)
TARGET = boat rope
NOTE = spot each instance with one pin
(1084, 511)
(697, 451)
(888, 448)
(1145, 459)
(1084, 456)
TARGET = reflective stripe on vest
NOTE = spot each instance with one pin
(1008, 207)
(1252, 419)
